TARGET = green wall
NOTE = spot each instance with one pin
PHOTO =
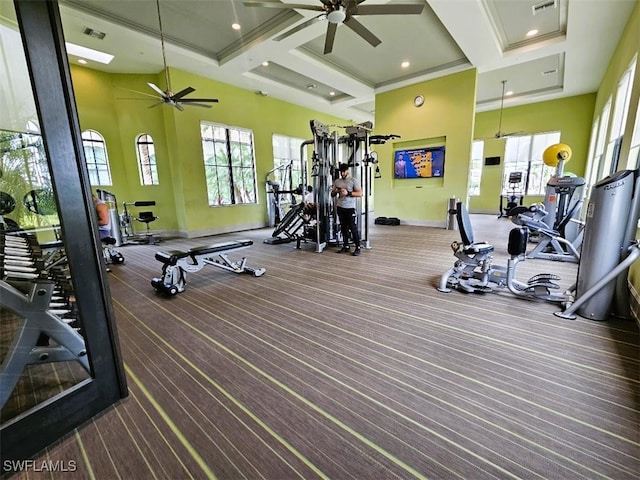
(572, 116)
(447, 114)
(108, 104)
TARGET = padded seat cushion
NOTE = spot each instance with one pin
(220, 247)
(478, 248)
(171, 257)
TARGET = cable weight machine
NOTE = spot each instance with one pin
(319, 222)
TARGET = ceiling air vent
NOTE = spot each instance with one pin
(539, 7)
(549, 72)
(93, 33)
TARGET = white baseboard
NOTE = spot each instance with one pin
(221, 230)
(423, 223)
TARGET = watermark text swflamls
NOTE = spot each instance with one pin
(59, 466)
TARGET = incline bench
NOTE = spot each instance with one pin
(177, 263)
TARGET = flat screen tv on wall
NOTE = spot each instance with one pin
(427, 162)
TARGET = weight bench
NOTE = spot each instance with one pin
(176, 264)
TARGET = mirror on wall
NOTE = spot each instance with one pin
(42, 343)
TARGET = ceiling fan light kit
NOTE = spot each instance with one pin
(337, 15)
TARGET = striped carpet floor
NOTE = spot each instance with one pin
(341, 367)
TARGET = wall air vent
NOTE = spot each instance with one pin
(549, 72)
(547, 4)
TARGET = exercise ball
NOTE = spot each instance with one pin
(553, 154)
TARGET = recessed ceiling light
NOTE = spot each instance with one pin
(265, 64)
(405, 64)
(510, 92)
(332, 93)
(235, 26)
(82, 61)
(89, 53)
(531, 33)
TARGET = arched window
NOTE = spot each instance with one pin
(95, 152)
(147, 165)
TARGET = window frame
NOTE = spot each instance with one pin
(619, 118)
(475, 168)
(89, 146)
(147, 161)
(288, 170)
(633, 161)
(229, 146)
(532, 163)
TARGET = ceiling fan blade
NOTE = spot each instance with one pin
(363, 31)
(410, 9)
(178, 106)
(268, 4)
(157, 89)
(189, 100)
(331, 36)
(297, 28)
(192, 104)
(182, 93)
(137, 93)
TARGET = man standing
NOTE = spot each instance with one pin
(347, 189)
(104, 219)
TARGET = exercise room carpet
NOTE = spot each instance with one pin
(342, 367)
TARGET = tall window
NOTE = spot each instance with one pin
(619, 119)
(287, 165)
(634, 153)
(600, 142)
(147, 165)
(475, 170)
(592, 164)
(524, 154)
(95, 152)
(229, 164)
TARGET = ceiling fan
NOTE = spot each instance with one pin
(342, 11)
(500, 133)
(167, 97)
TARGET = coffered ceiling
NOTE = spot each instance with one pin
(279, 51)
